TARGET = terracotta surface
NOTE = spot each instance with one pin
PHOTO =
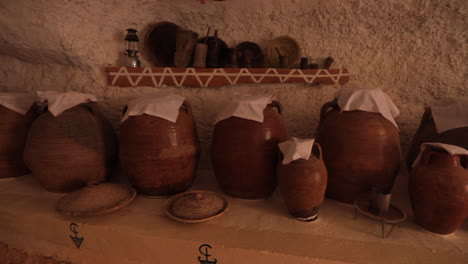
(212, 77)
(302, 184)
(244, 153)
(14, 129)
(69, 151)
(438, 191)
(160, 157)
(427, 132)
(361, 150)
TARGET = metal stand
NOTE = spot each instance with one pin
(382, 222)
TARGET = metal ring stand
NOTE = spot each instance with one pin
(398, 216)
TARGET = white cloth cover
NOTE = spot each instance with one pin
(246, 106)
(164, 105)
(18, 102)
(371, 100)
(59, 102)
(450, 113)
(451, 149)
(296, 148)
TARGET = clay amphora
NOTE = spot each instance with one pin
(71, 150)
(438, 188)
(14, 129)
(244, 153)
(427, 132)
(302, 184)
(361, 150)
(159, 157)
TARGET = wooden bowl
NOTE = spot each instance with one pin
(287, 46)
(160, 44)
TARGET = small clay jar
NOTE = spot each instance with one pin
(244, 153)
(427, 132)
(71, 150)
(160, 157)
(302, 184)
(361, 150)
(438, 191)
(14, 129)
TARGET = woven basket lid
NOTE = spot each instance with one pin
(96, 200)
(196, 206)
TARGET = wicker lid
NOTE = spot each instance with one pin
(196, 206)
(96, 200)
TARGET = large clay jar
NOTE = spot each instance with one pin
(245, 153)
(14, 129)
(72, 150)
(160, 157)
(361, 150)
(427, 132)
(302, 184)
(438, 187)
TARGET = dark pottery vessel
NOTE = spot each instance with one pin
(14, 129)
(438, 191)
(427, 132)
(302, 184)
(361, 150)
(159, 157)
(72, 150)
(244, 153)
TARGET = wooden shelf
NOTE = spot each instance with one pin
(214, 77)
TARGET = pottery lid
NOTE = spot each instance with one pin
(196, 206)
(96, 200)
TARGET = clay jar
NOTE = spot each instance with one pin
(244, 153)
(14, 129)
(361, 150)
(160, 157)
(438, 191)
(427, 132)
(72, 150)
(302, 184)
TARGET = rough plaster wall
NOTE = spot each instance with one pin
(415, 50)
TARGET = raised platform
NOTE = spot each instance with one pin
(259, 231)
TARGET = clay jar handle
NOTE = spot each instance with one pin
(277, 105)
(427, 156)
(427, 115)
(124, 110)
(316, 144)
(464, 161)
(326, 106)
(186, 107)
(89, 107)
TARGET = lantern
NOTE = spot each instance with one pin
(131, 48)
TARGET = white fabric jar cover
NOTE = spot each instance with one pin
(246, 106)
(374, 100)
(164, 105)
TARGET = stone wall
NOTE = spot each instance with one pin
(414, 50)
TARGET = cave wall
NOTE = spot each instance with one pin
(414, 50)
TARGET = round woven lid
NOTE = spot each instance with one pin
(196, 206)
(95, 200)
